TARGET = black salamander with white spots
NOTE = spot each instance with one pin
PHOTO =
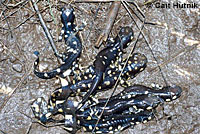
(118, 106)
(106, 57)
(73, 48)
(116, 123)
(139, 97)
(128, 108)
(135, 104)
(119, 115)
(167, 94)
(136, 63)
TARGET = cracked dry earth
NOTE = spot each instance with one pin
(175, 42)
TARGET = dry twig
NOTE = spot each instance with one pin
(46, 30)
(109, 23)
(125, 4)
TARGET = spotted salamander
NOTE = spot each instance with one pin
(167, 94)
(117, 113)
(117, 106)
(111, 124)
(136, 63)
(73, 48)
(139, 97)
(107, 56)
(133, 105)
(116, 123)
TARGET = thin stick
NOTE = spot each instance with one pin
(125, 5)
(46, 30)
(9, 50)
(18, 4)
(109, 23)
(39, 122)
(173, 57)
(15, 10)
(91, 26)
(24, 21)
(8, 25)
(29, 128)
(3, 132)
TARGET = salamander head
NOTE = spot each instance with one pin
(67, 16)
(125, 36)
(175, 92)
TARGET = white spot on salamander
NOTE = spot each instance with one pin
(74, 42)
(60, 38)
(62, 31)
(66, 35)
(45, 75)
(69, 23)
(64, 82)
(58, 70)
(67, 13)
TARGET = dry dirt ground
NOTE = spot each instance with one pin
(175, 42)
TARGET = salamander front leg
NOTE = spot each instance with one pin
(60, 37)
(40, 110)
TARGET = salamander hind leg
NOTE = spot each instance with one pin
(40, 110)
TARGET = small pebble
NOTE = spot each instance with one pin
(30, 78)
(12, 59)
(17, 67)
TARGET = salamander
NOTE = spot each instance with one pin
(115, 123)
(40, 110)
(112, 123)
(137, 96)
(123, 119)
(67, 19)
(167, 93)
(118, 104)
(136, 63)
(73, 48)
(107, 56)
(133, 105)
(115, 120)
